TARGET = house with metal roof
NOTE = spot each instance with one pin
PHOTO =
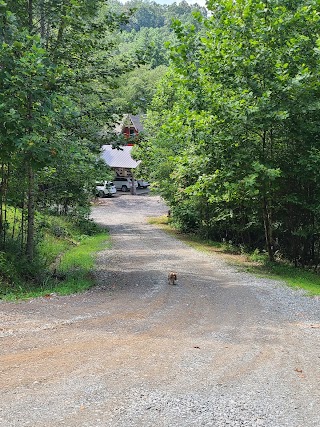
(119, 158)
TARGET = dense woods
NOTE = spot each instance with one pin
(231, 94)
(145, 37)
(61, 64)
(234, 128)
(56, 68)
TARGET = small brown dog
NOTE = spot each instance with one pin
(172, 277)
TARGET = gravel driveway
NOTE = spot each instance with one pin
(221, 348)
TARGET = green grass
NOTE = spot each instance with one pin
(63, 264)
(73, 273)
(78, 263)
(51, 247)
(255, 263)
(292, 276)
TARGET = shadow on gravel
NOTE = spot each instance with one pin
(132, 281)
(136, 281)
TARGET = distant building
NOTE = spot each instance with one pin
(130, 126)
(120, 160)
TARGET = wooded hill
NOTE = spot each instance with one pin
(145, 37)
(234, 130)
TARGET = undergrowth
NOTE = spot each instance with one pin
(63, 262)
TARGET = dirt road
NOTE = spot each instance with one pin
(221, 348)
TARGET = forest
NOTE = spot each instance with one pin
(65, 66)
(231, 97)
(233, 130)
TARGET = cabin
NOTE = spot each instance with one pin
(130, 126)
(120, 160)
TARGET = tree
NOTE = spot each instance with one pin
(144, 39)
(137, 89)
(239, 136)
(56, 72)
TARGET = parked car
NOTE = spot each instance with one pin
(105, 189)
(124, 183)
(142, 183)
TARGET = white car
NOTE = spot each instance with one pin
(124, 183)
(105, 189)
(142, 183)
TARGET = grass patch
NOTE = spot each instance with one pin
(63, 264)
(292, 276)
(77, 265)
(255, 263)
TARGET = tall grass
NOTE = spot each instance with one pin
(65, 257)
(77, 264)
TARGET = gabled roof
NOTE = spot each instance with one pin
(129, 120)
(136, 121)
(119, 158)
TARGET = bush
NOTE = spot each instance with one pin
(7, 270)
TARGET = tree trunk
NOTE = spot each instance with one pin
(30, 171)
(1, 202)
(30, 15)
(62, 24)
(42, 21)
(30, 207)
(133, 187)
(267, 229)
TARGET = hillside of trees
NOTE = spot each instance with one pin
(145, 37)
(233, 139)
